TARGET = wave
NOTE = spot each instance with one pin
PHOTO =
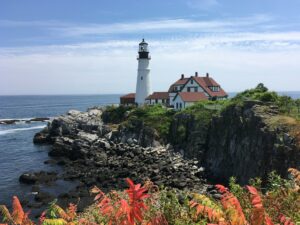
(23, 119)
(4, 132)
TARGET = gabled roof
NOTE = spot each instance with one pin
(158, 95)
(181, 81)
(192, 96)
(206, 82)
(130, 95)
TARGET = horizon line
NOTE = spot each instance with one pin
(94, 94)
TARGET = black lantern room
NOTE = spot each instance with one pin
(143, 50)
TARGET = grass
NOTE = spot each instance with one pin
(157, 117)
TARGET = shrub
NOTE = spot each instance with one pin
(116, 114)
(147, 205)
(157, 117)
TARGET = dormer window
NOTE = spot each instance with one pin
(214, 88)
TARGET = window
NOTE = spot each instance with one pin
(141, 78)
(192, 81)
(176, 105)
(156, 101)
(215, 88)
(189, 89)
(163, 101)
(196, 89)
(180, 105)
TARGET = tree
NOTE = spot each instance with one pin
(285, 103)
(261, 87)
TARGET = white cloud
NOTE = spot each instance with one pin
(237, 60)
(162, 26)
(229, 49)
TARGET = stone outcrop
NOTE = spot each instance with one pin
(95, 153)
(245, 140)
(250, 140)
(189, 135)
(16, 121)
(71, 124)
(137, 133)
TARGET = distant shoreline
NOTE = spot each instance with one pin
(231, 93)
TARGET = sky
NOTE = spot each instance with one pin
(90, 47)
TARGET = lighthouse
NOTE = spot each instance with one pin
(143, 87)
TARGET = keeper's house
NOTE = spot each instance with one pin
(188, 90)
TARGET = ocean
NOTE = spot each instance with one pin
(18, 154)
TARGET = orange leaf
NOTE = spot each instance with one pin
(18, 213)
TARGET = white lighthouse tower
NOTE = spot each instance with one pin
(143, 87)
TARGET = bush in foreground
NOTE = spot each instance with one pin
(147, 205)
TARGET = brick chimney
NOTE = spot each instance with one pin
(182, 76)
(196, 74)
(207, 74)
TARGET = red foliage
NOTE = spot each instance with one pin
(42, 217)
(258, 213)
(158, 220)
(232, 205)
(211, 214)
(285, 220)
(122, 211)
(18, 214)
(136, 195)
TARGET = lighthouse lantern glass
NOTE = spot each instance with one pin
(143, 48)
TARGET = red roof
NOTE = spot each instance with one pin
(130, 95)
(207, 82)
(181, 81)
(192, 96)
(159, 95)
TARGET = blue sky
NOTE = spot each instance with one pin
(90, 47)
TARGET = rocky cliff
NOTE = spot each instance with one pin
(250, 140)
(245, 140)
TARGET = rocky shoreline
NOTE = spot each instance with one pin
(30, 120)
(91, 153)
(93, 150)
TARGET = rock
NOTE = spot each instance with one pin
(73, 113)
(35, 188)
(41, 137)
(102, 143)
(8, 122)
(39, 119)
(95, 155)
(87, 136)
(44, 197)
(35, 205)
(38, 177)
(251, 147)
(50, 161)
(28, 178)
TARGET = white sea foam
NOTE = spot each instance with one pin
(9, 131)
(29, 118)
